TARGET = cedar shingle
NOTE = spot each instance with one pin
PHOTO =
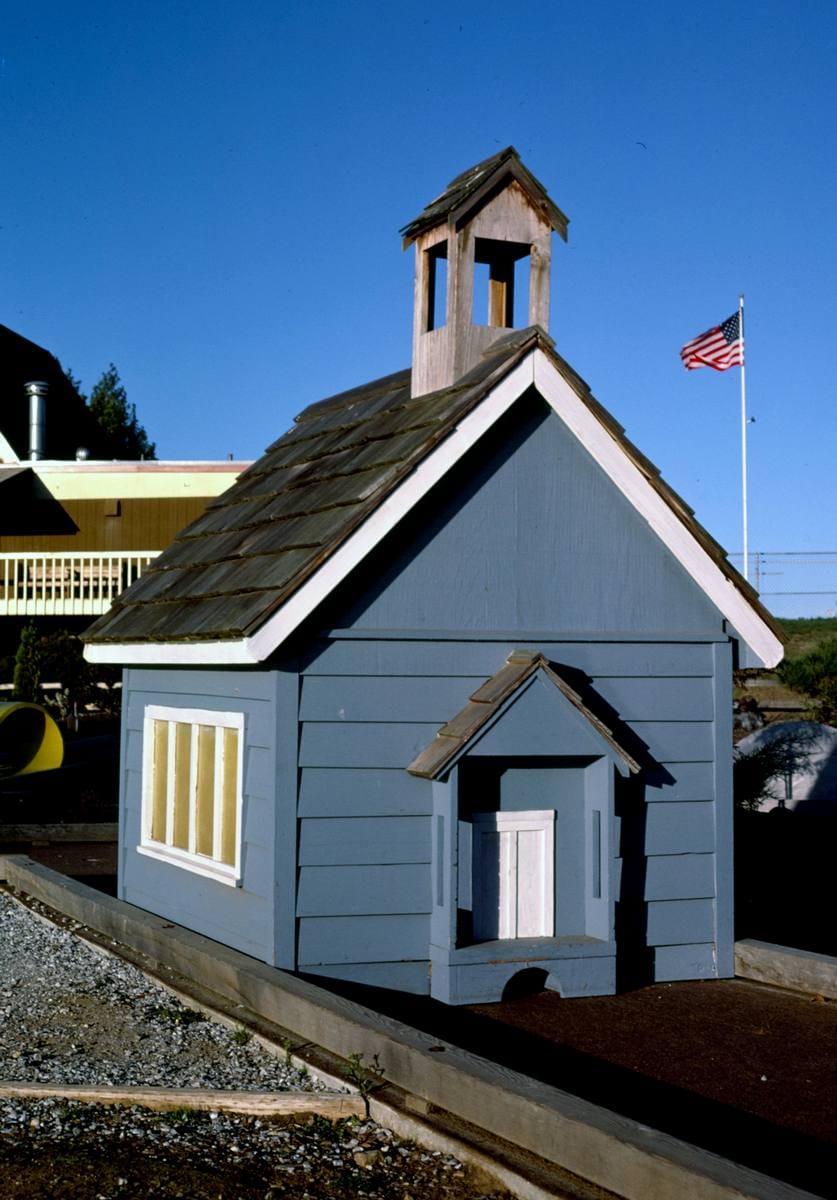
(259, 541)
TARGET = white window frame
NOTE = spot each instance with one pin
(190, 860)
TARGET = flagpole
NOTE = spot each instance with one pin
(743, 440)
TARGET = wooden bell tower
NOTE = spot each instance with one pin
(483, 252)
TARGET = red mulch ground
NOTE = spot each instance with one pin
(745, 1070)
(686, 1058)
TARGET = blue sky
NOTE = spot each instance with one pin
(209, 195)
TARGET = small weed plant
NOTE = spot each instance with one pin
(364, 1076)
(177, 1016)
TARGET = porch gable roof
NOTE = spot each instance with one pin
(487, 704)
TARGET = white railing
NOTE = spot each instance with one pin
(67, 585)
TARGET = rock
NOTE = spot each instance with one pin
(366, 1158)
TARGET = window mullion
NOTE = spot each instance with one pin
(218, 795)
(193, 788)
(170, 781)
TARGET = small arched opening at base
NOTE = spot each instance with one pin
(528, 982)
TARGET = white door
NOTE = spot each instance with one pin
(514, 874)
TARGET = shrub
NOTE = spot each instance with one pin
(815, 674)
(757, 773)
(26, 680)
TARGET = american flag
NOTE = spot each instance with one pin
(720, 347)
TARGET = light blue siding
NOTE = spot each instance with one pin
(362, 939)
(526, 544)
(685, 962)
(382, 698)
(685, 781)
(362, 745)
(364, 890)
(680, 829)
(477, 654)
(680, 876)
(410, 977)
(242, 917)
(681, 699)
(335, 841)
(498, 545)
(329, 792)
(678, 922)
(677, 741)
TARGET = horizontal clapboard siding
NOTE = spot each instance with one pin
(680, 877)
(680, 828)
(241, 917)
(368, 706)
(685, 962)
(329, 792)
(364, 840)
(238, 684)
(677, 741)
(684, 781)
(678, 922)
(366, 890)
(412, 977)
(246, 926)
(400, 938)
(362, 745)
(383, 698)
(392, 698)
(480, 659)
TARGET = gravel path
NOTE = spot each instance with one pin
(70, 1014)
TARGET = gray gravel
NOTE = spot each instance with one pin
(71, 1014)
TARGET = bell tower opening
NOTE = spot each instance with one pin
(499, 283)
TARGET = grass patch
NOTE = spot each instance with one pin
(806, 633)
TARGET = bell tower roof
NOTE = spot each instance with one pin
(469, 191)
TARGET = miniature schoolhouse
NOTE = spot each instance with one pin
(440, 690)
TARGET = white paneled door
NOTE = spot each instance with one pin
(514, 874)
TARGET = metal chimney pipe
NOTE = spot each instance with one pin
(37, 392)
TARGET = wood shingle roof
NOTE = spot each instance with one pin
(466, 191)
(228, 571)
(260, 542)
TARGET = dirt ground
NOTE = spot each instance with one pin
(93, 863)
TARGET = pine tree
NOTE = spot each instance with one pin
(117, 418)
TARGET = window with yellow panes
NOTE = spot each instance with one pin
(192, 789)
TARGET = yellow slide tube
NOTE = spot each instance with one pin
(29, 740)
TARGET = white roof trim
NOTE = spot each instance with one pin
(535, 368)
(335, 569)
(175, 654)
(649, 504)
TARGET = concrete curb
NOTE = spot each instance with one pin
(256, 1104)
(611, 1151)
(797, 970)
